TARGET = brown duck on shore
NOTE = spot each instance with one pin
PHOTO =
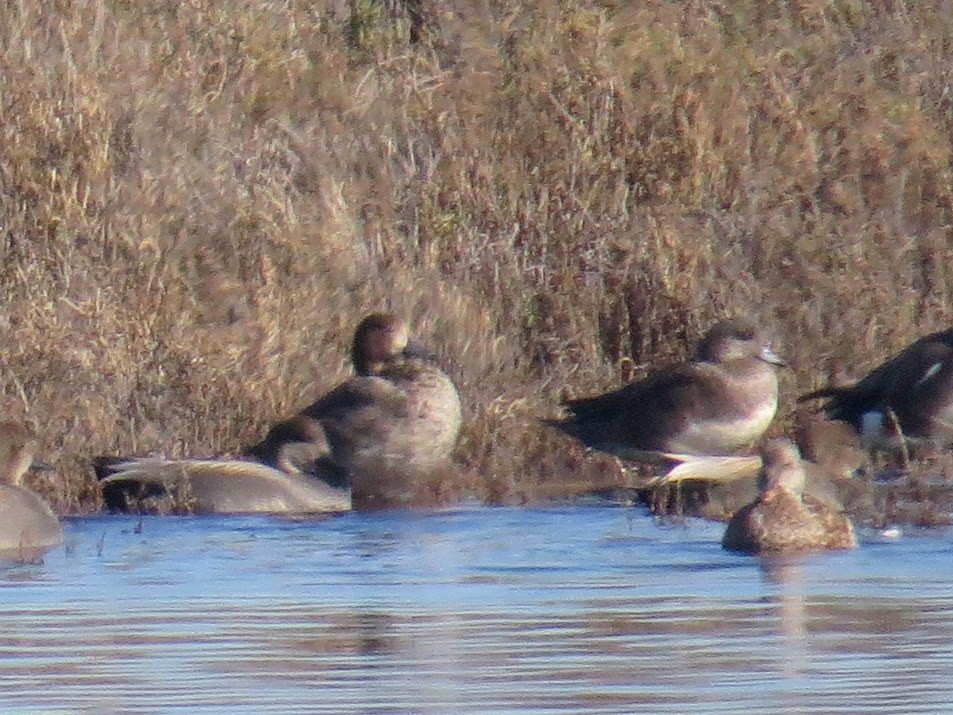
(722, 400)
(381, 438)
(393, 426)
(783, 518)
(28, 526)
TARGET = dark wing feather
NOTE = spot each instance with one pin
(899, 379)
(644, 409)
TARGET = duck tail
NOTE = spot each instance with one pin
(105, 465)
(709, 468)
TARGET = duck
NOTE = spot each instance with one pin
(907, 399)
(285, 474)
(216, 486)
(715, 487)
(392, 426)
(783, 518)
(722, 400)
(298, 445)
(28, 526)
(372, 440)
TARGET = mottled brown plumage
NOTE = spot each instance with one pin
(371, 440)
(395, 423)
(783, 518)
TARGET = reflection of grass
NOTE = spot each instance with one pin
(201, 200)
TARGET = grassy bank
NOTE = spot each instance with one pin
(199, 201)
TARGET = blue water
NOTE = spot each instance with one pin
(583, 609)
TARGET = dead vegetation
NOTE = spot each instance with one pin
(200, 200)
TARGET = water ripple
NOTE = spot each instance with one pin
(571, 610)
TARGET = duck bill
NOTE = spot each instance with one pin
(768, 355)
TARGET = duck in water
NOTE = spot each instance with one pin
(28, 526)
(223, 486)
(783, 518)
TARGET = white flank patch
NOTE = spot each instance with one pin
(715, 435)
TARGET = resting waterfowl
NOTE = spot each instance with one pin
(298, 446)
(783, 518)
(28, 526)
(199, 486)
(722, 400)
(374, 440)
(717, 486)
(285, 478)
(908, 397)
(393, 426)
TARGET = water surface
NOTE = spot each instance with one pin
(582, 609)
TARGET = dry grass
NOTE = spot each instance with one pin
(199, 201)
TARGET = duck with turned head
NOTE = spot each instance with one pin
(907, 398)
(783, 518)
(372, 441)
(289, 485)
(722, 400)
(28, 526)
(393, 426)
(298, 446)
